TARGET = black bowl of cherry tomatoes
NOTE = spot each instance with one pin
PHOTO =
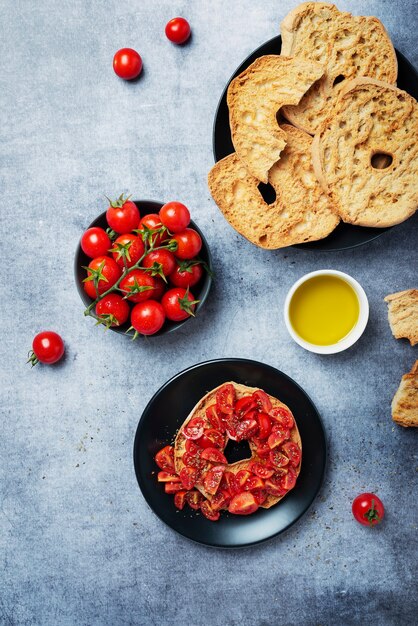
(143, 267)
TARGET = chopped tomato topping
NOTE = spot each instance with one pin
(194, 429)
(246, 429)
(165, 458)
(254, 482)
(194, 498)
(180, 499)
(264, 423)
(212, 438)
(243, 504)
(292, 450)
(262, 400)
(289, 481)
(188, 477)
(173, 487)
(214, 419)
(278, 459)
(261, 470)
(214, 455)
(260, 495)
(225, 399)
(243, 405)
(213, 478)
(209, 512)
(241, 478)
(166, 477)
(283, 417)
(277, 436)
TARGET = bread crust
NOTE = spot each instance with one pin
(405, 400)
(199, 410)
(403, 314)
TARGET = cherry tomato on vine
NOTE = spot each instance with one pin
(129, 248)
(127, 63)
(178, 30)
(47, 347)
(112, 310)
(187, 273)
(102, 273)
(178, 304)
(137, 285)
(162, 261)
(122, 215)
(189, 243)
(152, 221)
(95, 242)
(147, 317)
(175, 216)
(368, 509)
(159, 288)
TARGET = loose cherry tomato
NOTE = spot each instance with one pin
(179, 304)
(175, 216)
(189, 243)
(147, 317)
(102, 273)
(127, 249)
(213, 478)
(47, 347)
(152, 221)
(95, 242)
(292, 450)
(127, 63)
(160, 262)
(209, 512)
(137, 285)
(122, 215)
(225, 399)
(188, 476)
(194, 428)
(180, 499)
(112, 310)
(368, 509)
(178, 30)
(165, 459)
(186, 273)
(243, 504)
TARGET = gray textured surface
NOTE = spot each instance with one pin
(78, 544)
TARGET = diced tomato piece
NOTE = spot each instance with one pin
(260, 495)
(173, 487)
(264, 423)
(283, 417)
(262, 400)
(277, 436)
(213, 478)
(214, 419)
(254, 482)
(278, 459)
(209, 512)
(165, 459)
(231, 434)
(230, 481)
(243, 504)
(263, 450)
(166, 477)
(194, 429)
(220, 500)
(261, 470)
(188, 476)
(274, 487)
(292, 450)
(212, 438)
(180, 499)
(241, 478)
(192, 460)
(192, 446)
(194, 498)
(214, 455)
(289, 481)
(225, 399)
(243, 405)
(246, 429)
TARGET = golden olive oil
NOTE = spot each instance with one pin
(324, 309)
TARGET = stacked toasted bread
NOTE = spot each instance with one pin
(334, 79)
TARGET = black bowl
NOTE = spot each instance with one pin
(200, 291)
(166, 412)
(345, 235)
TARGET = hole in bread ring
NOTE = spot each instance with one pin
(268, 193)
(338, 79)
(381, 160)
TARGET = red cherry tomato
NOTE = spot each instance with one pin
(189, 244)
(292, 450)
(180, 499)
(113, 310)
(122, 215)
(209, 512)
(188, 477)
(243, 504)
(95, 242)
(47, 347)
(147, 317)
(159, 289)
(103, 272)
(368, 509)
(175, 216)
(178, 304)
(186, 274)
(194, 429)
(152, 221)
(178, 30)
(213, 478)
(162, 261)
(165, 459)
(138, 284)
(127, 63)
(129, 248)
(225, 399)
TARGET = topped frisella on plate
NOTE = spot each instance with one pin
(196, 470)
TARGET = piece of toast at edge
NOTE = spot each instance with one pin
(302, 212)
(199, 410)
(347, 46)
(370, 119)
(254, 98)
(405, 400)
(403, 314)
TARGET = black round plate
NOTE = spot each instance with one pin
(166, 412)
(200, 291)
(345, 235)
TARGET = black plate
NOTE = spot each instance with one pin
(200, 291)
(345, 235)
(166, 412)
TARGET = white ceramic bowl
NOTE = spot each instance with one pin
(352, 336)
